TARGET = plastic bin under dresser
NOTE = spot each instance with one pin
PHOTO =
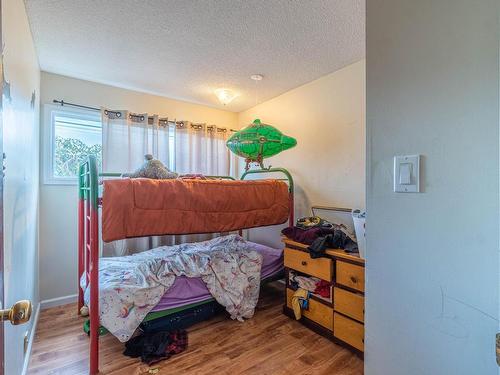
(340, 319)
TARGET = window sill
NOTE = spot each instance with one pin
(60, 181)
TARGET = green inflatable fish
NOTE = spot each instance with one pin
(258, 141)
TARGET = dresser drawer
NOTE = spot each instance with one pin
(302, 262)
(350, 275)
(350, 304)
(317, 311)
(349, 331)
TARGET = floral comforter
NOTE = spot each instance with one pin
(130, 286)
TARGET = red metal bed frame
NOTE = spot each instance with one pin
(88, 239)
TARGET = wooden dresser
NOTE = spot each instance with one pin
(341, 318)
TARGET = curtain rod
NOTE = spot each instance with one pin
(63, 103)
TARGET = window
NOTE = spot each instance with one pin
(70, 136)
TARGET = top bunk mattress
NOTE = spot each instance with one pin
(144, 207)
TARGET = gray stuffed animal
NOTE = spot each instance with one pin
(152, 168)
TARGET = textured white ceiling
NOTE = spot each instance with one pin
(185, 49)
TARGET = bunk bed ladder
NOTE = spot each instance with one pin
(88, 251)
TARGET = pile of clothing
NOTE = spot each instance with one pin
(320, 234)
(156, 346)
(310, 283)
(305, 286)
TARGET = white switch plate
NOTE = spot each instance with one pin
(411, 163)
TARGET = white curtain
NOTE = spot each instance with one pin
(201, 149)
(127, 137)
(185, 147)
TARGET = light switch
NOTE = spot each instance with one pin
(407, 174)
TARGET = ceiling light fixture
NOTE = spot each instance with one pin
(225, 96)
(256, 78)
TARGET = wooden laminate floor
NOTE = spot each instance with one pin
(269, 343)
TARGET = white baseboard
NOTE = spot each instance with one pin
(64, 300)
(27, 355)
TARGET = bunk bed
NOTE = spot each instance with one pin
(139, 207)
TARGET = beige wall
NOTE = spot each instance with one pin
(58, 204)
(20, 144)
(327, 117)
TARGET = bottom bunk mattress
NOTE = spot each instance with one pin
(227, 269)
(191, 290)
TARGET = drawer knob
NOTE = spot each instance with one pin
(304, 263)
(354, 280)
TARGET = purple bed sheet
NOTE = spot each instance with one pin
(188, 290)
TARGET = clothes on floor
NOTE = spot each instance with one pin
(300, 301)
(157, 346)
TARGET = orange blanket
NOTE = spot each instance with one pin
(143, 207)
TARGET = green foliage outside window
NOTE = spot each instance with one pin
(69, 153)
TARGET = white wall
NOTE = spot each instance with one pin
(20, 131)
(58, 204)
(432, 258)
(327, 117)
